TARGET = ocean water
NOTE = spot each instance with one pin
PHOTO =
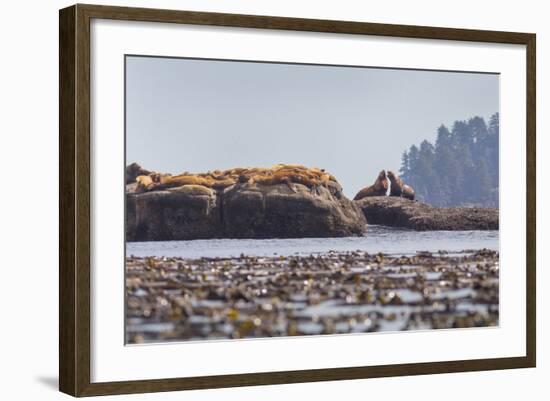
(378, 239)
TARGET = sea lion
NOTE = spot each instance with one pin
(396, 184)
(379, 188)
(188, 179)
(285, 175)
(223, 183)
(408, 192)
(193, 190)
(282, 166)
(133, 171)
(399, 188)
(145, 182)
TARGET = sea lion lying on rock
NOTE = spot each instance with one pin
(408, 192)
(379, 188)
(197, 190)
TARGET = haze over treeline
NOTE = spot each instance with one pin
(461, 168)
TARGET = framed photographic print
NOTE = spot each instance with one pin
(250, 200)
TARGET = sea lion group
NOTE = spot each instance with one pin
(380, 187)
(220, 179)
(288, 174)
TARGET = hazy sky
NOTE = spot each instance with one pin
(200, 115)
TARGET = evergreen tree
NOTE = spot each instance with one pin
(404, 164)
(412, 177)
(444, 165)
(462, 167)
(483, 183)
(493, 134)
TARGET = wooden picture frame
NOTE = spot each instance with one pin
(75, 208)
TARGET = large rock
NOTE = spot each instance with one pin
(177, 213)
(401, 212)
(243, 210)
(277, 211)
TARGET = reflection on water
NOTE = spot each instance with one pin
(378, 239)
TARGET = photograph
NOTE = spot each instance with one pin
(270, 199)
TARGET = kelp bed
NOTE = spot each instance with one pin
(174, 299)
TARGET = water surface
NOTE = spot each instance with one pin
(378, 239)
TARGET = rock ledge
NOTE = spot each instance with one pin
(401, 212)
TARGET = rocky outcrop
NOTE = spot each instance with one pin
(402, 212)
(289, 203)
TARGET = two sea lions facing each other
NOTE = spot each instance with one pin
(380, 187)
